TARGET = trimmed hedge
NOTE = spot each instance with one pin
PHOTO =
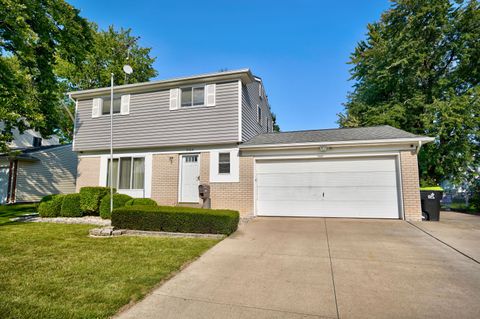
(90, 198)
(52, 207)
(47, 198)
(141, 201)
(119, 200)
(176, 219)
(71, 206)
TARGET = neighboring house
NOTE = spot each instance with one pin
(170, 136)
(36, 167)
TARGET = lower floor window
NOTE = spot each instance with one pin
(224, 163)
(127, 173)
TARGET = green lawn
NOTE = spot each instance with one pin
(56, 271)
(7, 212)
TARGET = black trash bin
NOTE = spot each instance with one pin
(430, 198)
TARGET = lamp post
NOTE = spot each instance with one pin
(128, 70)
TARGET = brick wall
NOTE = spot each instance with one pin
(410, 186)
(237, 196)
(165, 179)
(88, 172)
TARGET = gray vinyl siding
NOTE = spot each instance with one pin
(152, 124)
(54, 173)
(250, 100)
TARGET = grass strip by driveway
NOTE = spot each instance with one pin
(56, 271)
(11, 211)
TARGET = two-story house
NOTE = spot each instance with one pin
(169, 136)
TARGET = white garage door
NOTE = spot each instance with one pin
(353, 187)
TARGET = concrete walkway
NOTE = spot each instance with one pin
(321, 268)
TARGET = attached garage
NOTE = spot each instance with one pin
(364, 187)
(368, 172)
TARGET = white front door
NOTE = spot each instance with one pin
(189, 178)
(342, 187)
(3, 184)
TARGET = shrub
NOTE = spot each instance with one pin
(52, 207)
(47, 198)
(119, 200)
(141, 201)
(90, 198)
(71, 206)
(176, 219)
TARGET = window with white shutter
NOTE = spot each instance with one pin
(97, 107)
(210, 94)
(174, 99)
(125, 104)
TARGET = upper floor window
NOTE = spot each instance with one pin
(101, 105)
(259, 114)
(196, 95)
(37, 141)
(193, 96)
(128, 173)
(260, 91)
(117, 103)
(224, 163)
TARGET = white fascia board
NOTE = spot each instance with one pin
(244, 74)
(341, 143)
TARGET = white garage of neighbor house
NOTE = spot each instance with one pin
(356, 173)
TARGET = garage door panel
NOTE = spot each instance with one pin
(319, 193)
(327, 166)
(345, 187)
(327, 179)
(328, 209)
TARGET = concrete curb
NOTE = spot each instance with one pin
(111, 232)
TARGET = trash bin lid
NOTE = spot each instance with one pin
(432, 188)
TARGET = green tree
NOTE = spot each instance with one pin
(33, 34)
(419, 70)
(276, 127)
(109, 52)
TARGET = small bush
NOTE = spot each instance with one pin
(71, 206)
(52, 207)
(90, 198)
(47, 198)
(141, 202)
(176, 219)
(119, 200)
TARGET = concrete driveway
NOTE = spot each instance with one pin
(326, 268)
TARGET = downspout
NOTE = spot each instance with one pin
(68, 111)
(14, 182)
(418, 147)
(9, 188)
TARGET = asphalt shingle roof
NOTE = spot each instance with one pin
(330, 135)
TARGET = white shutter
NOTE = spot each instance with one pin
(174, 99)
(97, 107)
(125, 104)
(210, 94)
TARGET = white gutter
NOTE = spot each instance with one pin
(340, 143)
(244, 74)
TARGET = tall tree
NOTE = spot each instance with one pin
(419, 70)
(109, 52)
(33, 34)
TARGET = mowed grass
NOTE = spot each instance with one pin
(7, 212)
(57, 271)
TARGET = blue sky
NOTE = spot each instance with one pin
(299, 48)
